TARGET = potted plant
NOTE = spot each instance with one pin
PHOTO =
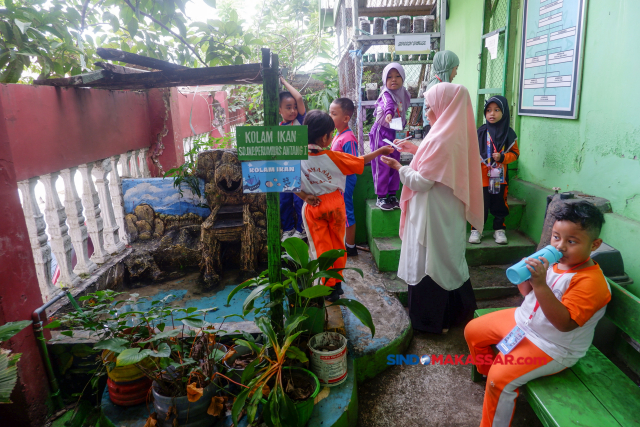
(302, 284)
(174, 347)
(286, 393)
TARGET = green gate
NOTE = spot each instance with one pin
(492, 77)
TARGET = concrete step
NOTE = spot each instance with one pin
(489, 283)
(386, 251)
(387, 223)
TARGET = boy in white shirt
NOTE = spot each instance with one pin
(562, 305)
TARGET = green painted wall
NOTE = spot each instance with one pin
(462, 36)
(598, 153)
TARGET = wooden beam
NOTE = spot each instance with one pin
(132, 58)
(105, 79)
(78, 80)
(395, 11)
(118, 69)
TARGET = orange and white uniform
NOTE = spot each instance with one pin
(324, 175)
(544, 350)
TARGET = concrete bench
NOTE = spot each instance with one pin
(594, 392)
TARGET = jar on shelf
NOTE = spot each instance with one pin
(378, 25)
(365, 58)
(405, 24)
(415, 58)
(396, 57)
(365, 26)
(381, 57)
(424, 57)
(391, 25)
(372, 57)
(404, 58)
(419, 24)
(387, 57)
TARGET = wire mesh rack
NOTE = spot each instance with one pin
(495, 19)
(362, 60)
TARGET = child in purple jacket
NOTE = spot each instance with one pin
(392, 103)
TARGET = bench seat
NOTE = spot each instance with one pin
(592, 393)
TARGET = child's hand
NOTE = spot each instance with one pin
(538, 269)
(406, 146)
(392, 163)
(386, 150)
(388, 118)
(312, 200)
(496, 156)
(282, 80)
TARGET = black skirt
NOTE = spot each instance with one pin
(432, 308)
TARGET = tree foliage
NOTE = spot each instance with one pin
(58, 38)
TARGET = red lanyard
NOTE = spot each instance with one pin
(494, 145)
(554, 284)
(436, 76)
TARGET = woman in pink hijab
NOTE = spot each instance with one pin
(442, 192)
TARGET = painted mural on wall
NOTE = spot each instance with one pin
(160, 194)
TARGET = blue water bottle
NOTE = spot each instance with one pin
(519, 272)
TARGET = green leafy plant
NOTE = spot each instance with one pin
(266, 379)
(322, 99)
(8, 360)
(158, 340)
(302, 283)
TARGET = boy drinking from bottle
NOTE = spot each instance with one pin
(553, 328)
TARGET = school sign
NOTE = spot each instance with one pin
(271, 143)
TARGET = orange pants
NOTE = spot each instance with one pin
(325, 225)
(506, 373)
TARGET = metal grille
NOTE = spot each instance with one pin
(493, 75)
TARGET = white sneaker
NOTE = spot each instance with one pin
(475, 237)
(300, 234)
(500, 237)
(287, 234)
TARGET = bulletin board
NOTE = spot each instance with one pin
(551, 58)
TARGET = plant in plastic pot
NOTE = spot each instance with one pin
(303, 287)
(175, 347)
(286, 403)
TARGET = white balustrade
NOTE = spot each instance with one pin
(115, 188)
(75, 220)
(125, 162)
(97, 214)
(58, 231)
(91, 203)
(112, 242)
(144, 167)
(38, 238)
(135, 169)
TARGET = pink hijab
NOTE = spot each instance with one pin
(449, 153)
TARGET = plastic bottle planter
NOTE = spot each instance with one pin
(387, 57)
(381, 57)
(429, 24)
(236, 373)
(396, 58)
(189, 414)
(329, 358)
(129, 393)
(365, 26)
(418, 24)
(304, 408)
(405, 24)
(378, 25)
(404, 58)
(372, 91)
(372, 57)
(125, 374)
(391, 25)
(519, 272)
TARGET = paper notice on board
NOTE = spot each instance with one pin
(491, 43)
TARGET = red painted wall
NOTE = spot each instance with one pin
(19, 297)
(50, 129)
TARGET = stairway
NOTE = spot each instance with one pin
(487, 260)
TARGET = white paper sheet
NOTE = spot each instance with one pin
(396, 123)
(491, 43)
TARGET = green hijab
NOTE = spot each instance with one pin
(443, 64)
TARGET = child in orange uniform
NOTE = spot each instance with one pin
(553, 328)
(324, 177)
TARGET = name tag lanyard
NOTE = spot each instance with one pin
(537, 306)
